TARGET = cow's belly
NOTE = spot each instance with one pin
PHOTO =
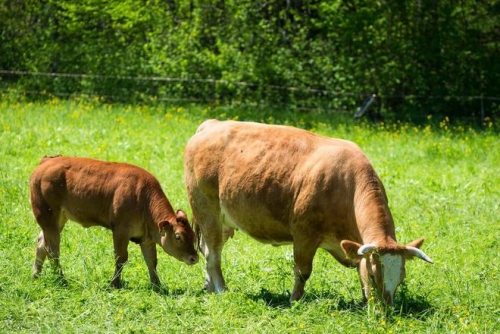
(257, 223)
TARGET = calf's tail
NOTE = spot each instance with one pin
(48, 157)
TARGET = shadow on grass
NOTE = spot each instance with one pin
(282, 300)
(412, 306)
(51, 279)
(274, 300)
(176, 292)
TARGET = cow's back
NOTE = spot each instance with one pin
(267, 180)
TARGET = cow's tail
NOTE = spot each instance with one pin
(206, 123)
(197, 232)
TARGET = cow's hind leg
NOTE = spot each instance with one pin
(304, 250)
(206, 217)
(214, 281)
(212, 241)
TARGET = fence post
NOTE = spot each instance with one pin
(364, 107)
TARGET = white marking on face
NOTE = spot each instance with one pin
(392, 265)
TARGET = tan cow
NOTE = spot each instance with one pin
(283, 185)
(121, 197)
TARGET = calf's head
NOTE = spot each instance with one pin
(382, 269)
(178, 238)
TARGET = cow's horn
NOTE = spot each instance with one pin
(418, 253)
(365, 249)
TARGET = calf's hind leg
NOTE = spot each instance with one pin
(40, 256)
(49, 241)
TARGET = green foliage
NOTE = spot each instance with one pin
(420, 58)
(442, 181)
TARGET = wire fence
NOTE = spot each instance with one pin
(219, 91)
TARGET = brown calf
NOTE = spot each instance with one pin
(121, 197)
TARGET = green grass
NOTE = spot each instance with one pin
(443, 183)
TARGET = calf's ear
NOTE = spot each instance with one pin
(164, 225)
(350, 248)
(181, 216)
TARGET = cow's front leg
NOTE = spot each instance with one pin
(121, 257)
(151, 258)
(364, 279)
(303, 253)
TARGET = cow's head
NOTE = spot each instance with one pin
(382, 269)
(178, 238)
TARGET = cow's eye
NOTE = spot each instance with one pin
(178, 237)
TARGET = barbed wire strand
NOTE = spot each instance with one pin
(223, 81)
(238, 83)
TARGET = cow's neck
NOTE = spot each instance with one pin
(374, 218)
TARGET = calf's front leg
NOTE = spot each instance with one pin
(121, 257)
(151, 258)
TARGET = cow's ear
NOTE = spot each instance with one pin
(413, 249)
(416, 243)
(350, 248)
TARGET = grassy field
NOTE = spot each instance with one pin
(443, 183)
